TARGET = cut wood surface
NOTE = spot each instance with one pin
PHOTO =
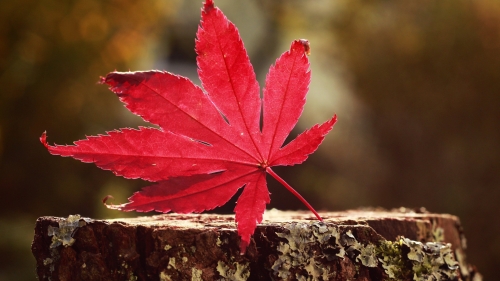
(367, 245)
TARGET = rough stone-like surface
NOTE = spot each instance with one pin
(352, 245)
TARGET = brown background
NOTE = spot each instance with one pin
(416, 87)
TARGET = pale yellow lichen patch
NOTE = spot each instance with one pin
(47, 261)
(165, 277)
(297, 252)
(63, 235)
(423, 231)
(368, 256)
(461, 262)
(315, 271)
(437, 232)
(431, 260)
(171, 263)
(239, 272)
(167, 247)
(196, 274)
(428, 261)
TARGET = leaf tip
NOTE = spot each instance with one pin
(106, 199)
(43, 139)
(102, 80)
(303, 43)
(243, 246)
(333, 120)
(208, 6)
(107, 78)
(120, 207)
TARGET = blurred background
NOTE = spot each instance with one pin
(416, 86)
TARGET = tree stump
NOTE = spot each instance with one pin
(365, 245)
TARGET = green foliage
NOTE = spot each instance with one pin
(393, 260)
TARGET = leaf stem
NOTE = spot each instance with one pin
(293, 191)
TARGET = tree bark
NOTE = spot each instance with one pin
(365, 245)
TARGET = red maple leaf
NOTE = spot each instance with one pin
(209, 144)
